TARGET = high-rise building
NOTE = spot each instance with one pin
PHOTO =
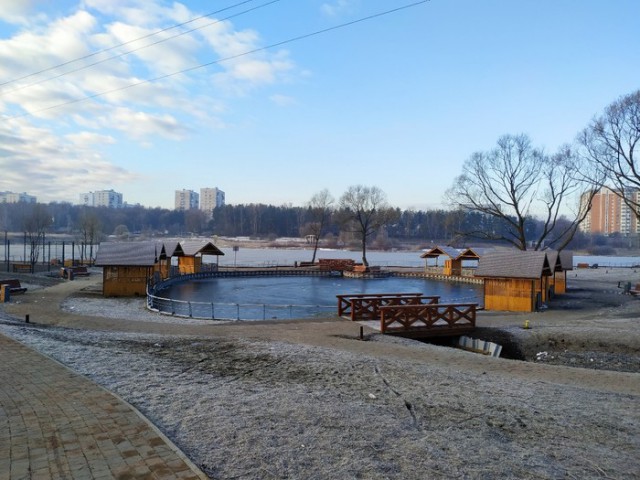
(186, 200)
(102, 198)
(10, 197)
(211, 198)
(610, 214)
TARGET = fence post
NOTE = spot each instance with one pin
(237, 311)
(213, 312)
(190, 312)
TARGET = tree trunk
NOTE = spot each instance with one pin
(364, 251)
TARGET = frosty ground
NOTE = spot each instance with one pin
(307, 399)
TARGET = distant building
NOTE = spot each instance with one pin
(186, 200)
(102, 198)
(610, 214)
(10, 197)
(211, 198)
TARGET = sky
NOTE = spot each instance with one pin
(274, 101)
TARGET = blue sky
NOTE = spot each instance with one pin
(398, 101)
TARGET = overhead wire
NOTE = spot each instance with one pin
(221, 60)
(113, 47)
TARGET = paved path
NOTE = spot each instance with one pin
(55, 424)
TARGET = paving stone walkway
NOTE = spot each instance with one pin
(56, 424)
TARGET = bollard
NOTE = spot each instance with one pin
(26, 318)
(361, 333)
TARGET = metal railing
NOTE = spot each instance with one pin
(226, 311)
(235, 311)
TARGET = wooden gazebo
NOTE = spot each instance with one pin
(560, 263)
(453, 264)
(190, 252)
(128, 267)
(514, 280)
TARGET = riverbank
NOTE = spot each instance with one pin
(307, 399)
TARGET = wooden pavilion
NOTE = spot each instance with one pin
(128, 267)
(453, 264)
(190, 253)
(514, 280)
(560, 263)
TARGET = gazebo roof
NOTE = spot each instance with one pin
(191, 248)
(138, 254)
(454, 253)
(514, 264)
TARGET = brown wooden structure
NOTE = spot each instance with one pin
(367, 306)
(128, 267)
(515, 280)
(435, 319)
(190, 253)
(453, 264)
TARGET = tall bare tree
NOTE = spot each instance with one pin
(611, 142)
(36, 222)
(365, 210)
(320, 207)
(515, 182)
(90, 231)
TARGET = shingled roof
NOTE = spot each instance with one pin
(454, 253)
(138, 254)
(191, 248)
(514, 264)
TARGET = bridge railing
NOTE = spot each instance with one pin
(445, 319)
(366, 306)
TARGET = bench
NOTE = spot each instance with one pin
(81, 271)
(22, 268)
(635, 290)
(14, 285)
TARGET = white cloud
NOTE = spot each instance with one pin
(337, 8)
(36, 160)
(73, 112)
(282, 100)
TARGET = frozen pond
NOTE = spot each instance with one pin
(257, 298)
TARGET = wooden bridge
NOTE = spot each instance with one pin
(408, 314)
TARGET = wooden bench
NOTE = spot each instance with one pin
(14, 285)
(81, 271)
(22, 268)
(635, 290)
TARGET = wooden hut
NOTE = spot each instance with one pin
(128, 267)
(514, 280)
(453, 264)
(560, 263)
(190, 253)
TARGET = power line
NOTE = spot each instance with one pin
(232, 57)
(22, 87)
(113, 47)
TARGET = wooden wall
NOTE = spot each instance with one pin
(125, 281)
(188, 265)
(452, 267)
(510, 294)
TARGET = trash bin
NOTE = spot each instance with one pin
(5, 293)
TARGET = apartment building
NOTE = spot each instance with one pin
(610, 214)
(186, 200)
(102, 198)
(10, 197)
(211, 198)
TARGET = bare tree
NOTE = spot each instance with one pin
(513, 183)
(90, 232)
(320, 207)
(36, 222)
(610, 143)
(365, 210)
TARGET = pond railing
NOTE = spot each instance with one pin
(228, 311)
